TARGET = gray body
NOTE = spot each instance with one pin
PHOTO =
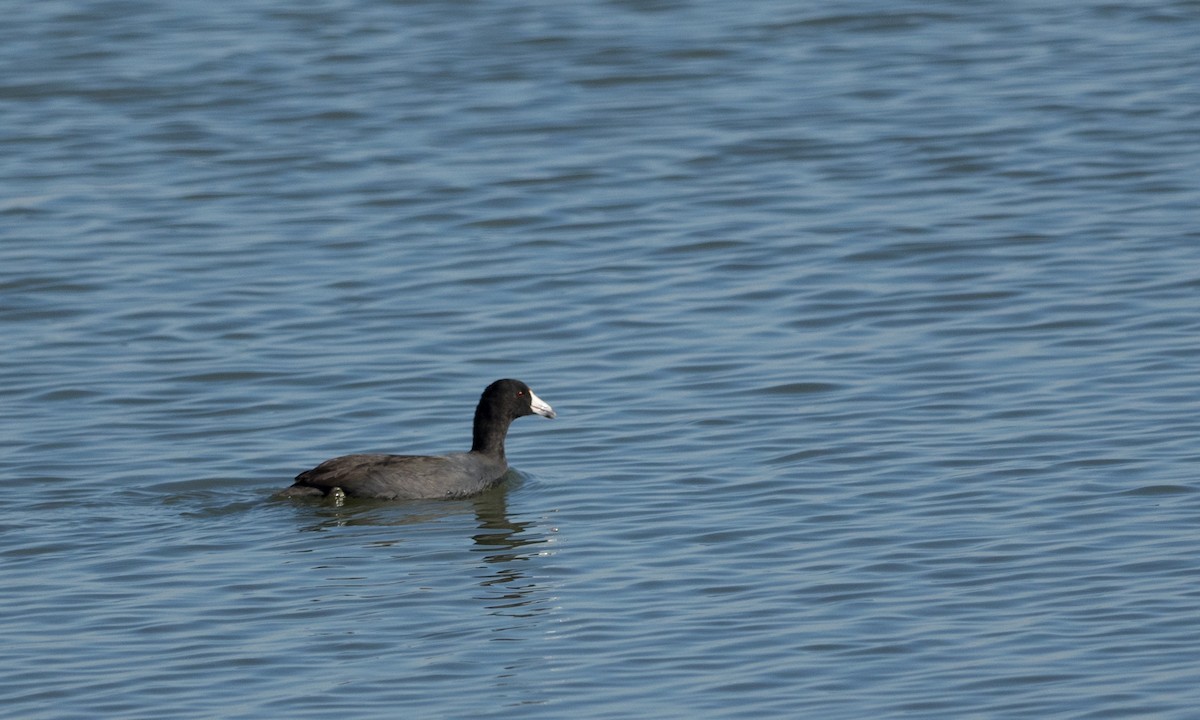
(401, 477)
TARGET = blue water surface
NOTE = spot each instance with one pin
(874, 333)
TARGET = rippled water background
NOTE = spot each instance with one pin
(874, 333)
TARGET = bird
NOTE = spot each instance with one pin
(412, 477)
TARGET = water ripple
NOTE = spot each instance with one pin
(872, 336)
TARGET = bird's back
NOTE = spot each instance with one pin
(398, 477)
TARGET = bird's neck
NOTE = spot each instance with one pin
(488, 435)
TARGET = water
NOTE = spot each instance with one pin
(874, 334)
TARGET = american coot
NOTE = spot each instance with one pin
(399, 477)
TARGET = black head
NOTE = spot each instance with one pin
(513, 399)
(502, 402)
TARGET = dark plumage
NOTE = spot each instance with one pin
(399, 477)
